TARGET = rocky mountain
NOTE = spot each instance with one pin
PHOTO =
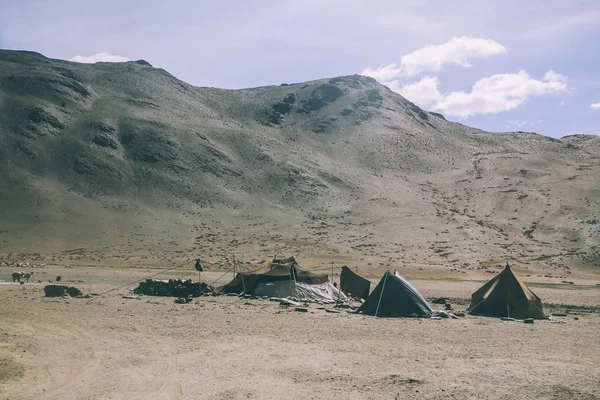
(114, 159)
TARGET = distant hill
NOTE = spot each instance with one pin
(122, 158)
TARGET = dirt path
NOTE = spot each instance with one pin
(108, 347)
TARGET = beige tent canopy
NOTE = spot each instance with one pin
(506, 296)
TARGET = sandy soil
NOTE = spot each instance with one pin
(108, 347)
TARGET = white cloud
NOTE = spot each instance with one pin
(99, 57)
(383, 73)
(595, 106)
(424, 92)
(501, 92)
(432, 58)
(456, 51)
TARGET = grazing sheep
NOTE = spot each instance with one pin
(27, 275)
(17, 276)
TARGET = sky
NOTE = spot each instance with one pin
(496, 65)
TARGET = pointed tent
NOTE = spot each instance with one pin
(506, 295)
(394, 296)
(284, 278)
(354, 284)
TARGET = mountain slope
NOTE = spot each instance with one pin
(123, 158)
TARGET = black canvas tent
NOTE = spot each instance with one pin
(394, 296)
(354, 284)
(284, 278)
(506, 295)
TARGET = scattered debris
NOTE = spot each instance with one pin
(288, 302)
(440, 313)
(440, 300)
(557, 321)
(301, 309)
(341, 305)
(172, 287)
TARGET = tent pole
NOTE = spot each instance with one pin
(292, 280)
(242, 276)
(332, 280)
(381, 294)
(339, 288)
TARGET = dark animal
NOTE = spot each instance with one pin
(59, 290)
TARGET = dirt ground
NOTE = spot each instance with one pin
(109, 347)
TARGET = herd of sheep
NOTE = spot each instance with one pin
(19, 276)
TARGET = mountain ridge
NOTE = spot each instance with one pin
(91, 153)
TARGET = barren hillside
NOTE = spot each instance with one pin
(120, 159)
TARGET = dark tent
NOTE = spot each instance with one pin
(505, 295)
(284, 278)
(353, 284)
(244, 282)
(394, 296)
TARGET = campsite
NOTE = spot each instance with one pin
(238, 347)
(261, 200)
